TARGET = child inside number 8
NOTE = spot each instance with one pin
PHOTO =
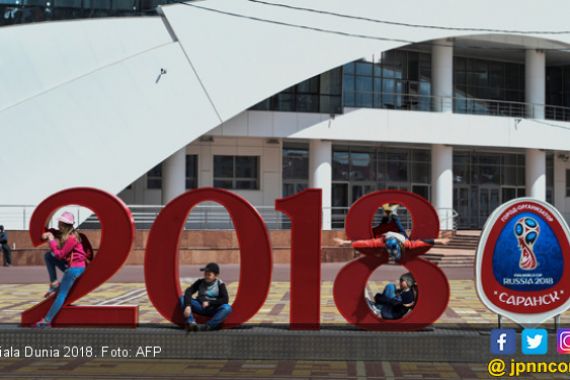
(393, 302)
(67, 254)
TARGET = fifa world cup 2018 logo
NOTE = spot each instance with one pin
(526, 232)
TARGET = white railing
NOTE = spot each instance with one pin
(202, 217)
(447, 217)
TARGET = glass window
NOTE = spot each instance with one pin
(425, 67)
(508, 193)
(349, 68)
(362, 166)
(340, 165)
(413, 66)
(509, 175)
(364, 68)
(154, 177)
(321, 93)
(191, 171)
(492, 80)
(295, 163)
(397, 73)
(378, 70)
(224, 184)
(568, 182)
(285, 102)
(331, 82)
(550, 170)
(293, 188)
(236, 172)
(422, 190)
(349, 83)
(223, 166)
(26, 11)
(397, 171)
(461, 173)
(421, 172)
(246, 166)
(363, 91)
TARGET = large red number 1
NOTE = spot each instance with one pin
(117, 232)
(305, 212)
(161, 257)
(349, 285)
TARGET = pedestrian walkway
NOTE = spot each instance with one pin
(464, 306)
(235, 369)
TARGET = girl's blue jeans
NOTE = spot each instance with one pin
(69, 278)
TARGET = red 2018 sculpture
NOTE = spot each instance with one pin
(304, 211)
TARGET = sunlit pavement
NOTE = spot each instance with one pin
(224, 369)
(464, 309)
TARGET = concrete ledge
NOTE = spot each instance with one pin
(274, 343)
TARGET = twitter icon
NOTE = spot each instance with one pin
(534, 342)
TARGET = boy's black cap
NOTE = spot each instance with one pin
(211, 267)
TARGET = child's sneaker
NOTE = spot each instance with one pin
(376, 309)
(191, 326)
(43, 324)
(52, 289)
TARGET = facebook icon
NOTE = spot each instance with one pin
(503, 342)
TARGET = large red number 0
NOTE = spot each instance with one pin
(349, 285)
(117, 232)
(161, 257)
(304, 209)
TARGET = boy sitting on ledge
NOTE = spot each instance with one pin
(212, 300)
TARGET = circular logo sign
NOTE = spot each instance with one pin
(522, 263)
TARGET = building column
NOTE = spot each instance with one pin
(535, 173)
(442, 75)
(535, 83)
(174, 176)
(442, 184)
(320, 175)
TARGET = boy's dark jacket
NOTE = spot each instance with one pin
(222, 298)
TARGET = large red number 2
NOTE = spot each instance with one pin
(161, 257)
(349, 285)
(304, 209)
(117, 232)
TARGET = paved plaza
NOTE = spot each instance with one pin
(224, 369)
(22, 287)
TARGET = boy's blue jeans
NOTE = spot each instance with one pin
(390, 292)
(218, 314)
(69, 278)
(387, 295)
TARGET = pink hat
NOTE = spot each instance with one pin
(67, 218)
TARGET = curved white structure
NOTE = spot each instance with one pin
(83, 103)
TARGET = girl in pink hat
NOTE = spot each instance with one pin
(68, 255)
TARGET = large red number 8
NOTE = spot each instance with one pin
(349, 285)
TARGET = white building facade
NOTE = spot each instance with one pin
(267, 100)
